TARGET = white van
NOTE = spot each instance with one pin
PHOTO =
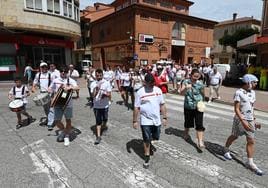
(85, 64)
(224, 70)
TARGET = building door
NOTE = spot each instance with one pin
(49, 55)
(177, 54)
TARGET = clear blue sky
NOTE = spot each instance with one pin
(217, 10)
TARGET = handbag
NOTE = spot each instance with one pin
(201, 106)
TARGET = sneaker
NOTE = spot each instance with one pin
(49, 128)
(61, 136)
(110, 103)
(201, 145)
(66, 141)
(146, 165)
(227, 156)
(19, 125)
(98, 140)
(254, 168)
(218, 97)
(209, 101)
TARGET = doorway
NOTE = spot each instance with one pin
(177, 54)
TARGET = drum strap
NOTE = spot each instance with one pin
(22, 91)
(49, 79)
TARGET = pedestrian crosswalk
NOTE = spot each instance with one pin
(213, 110)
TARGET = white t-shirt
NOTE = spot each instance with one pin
(215, 78)
(55, 74)
(44, 81)
(246, 100)
(180, 74)
(56, 84)
(125, 79)
(104, 87)
(19, 94)
(149, 104)
(108, 75)
(73, 74)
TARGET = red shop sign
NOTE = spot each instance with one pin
(46, 42)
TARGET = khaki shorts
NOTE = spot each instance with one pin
(239, 130)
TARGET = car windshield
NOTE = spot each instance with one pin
(85, 63)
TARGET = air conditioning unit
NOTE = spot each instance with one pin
(149, 39)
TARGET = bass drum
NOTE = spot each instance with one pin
(61, 98)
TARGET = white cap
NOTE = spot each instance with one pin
(43, 64)
(159, 66)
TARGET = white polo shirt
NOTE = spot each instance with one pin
(55, 74)
(149, 104)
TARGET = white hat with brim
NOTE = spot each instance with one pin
(43, 64)
(248, 78)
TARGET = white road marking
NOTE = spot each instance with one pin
(121, 166)
(211, 172)
(206, 115)
(224, 107)
(46, 161)
(209, 109)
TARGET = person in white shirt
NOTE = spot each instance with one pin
(108, 75)
(101, 92)
(74, 74)
(215, 82)
(118, 73)
(28, 73)
(125, 82)
(180, 76)
(244, 121)
(55, 73)
(69, 85)
(149, 101)
(20, 92)
(90, 77)
(42, 80)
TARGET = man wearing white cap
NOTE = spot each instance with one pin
(42, 80)
(244, 120)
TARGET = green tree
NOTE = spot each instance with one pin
(239, 34)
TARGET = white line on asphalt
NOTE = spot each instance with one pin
(206, 115)
(211, 172)
(121, 166)
(221, 106)
(209, 109)
(46, 161)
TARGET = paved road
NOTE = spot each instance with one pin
(31, 157)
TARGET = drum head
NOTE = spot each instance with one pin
(16, 104)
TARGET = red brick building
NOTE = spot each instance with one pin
(141, 32)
